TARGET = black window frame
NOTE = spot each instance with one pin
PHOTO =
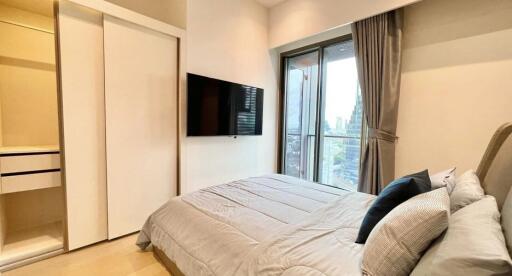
(316, 47)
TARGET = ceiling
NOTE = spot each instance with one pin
(45, 7)
(270, 3)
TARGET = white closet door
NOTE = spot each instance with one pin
(141, 122)
(83, 119)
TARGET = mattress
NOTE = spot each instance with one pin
(269, 225)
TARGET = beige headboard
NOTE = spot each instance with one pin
(495, 173)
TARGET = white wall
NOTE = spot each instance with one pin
(173, 12)
(293, 20)
(227, 39)
(456, 82)
(310, 40)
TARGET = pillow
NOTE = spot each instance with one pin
(466, 191)
(424, 266)
(397, 242)
(395, 193)
(473, 245)
(444, 179)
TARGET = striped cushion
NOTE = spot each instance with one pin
(396, 243)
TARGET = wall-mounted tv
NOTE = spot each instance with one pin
(216, 107)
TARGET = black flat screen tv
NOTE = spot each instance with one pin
(221, 108)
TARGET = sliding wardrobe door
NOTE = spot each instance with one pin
(83, 123)
(141, 122)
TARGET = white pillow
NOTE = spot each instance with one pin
(466, 191)
(472, 245)
(444, 179)
(396, 243)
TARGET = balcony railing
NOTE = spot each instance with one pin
(339, 158)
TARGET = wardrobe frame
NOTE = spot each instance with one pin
(116, 11)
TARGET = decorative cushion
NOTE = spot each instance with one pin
(473, 244)
(394, 194)
(444, 179)
(466, 191)
(397, 242)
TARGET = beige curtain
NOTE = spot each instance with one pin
(378, 47)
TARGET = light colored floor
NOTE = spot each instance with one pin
(119, 257)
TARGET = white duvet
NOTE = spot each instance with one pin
(270, 225)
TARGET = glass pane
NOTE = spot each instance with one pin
(301, 98)
(340, 162)
(292, 157)
(342, 115)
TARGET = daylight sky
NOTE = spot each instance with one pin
(341, 88)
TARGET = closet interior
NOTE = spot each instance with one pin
(31, 194)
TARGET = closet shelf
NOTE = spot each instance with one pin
(29, 149)
(28, 243)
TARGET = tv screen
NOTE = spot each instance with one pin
(217, 107)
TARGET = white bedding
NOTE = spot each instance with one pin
(270, 225)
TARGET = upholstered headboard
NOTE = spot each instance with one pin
(495, 173)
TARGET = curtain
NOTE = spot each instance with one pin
(378, 48)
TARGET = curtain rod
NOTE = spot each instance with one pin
(27, 26)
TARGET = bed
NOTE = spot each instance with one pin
(281, 225)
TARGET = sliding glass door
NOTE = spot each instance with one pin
(301, 114)
(322, 115)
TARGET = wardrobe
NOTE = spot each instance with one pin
(89, 144)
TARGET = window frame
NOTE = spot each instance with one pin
(284, 56)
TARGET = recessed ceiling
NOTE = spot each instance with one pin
(270, 3)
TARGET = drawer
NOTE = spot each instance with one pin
(27, 182)
(26, 163)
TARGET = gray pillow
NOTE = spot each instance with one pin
(396, 243)
(466, 191)
(472, 245)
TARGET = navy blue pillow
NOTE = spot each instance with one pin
(394, 194)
